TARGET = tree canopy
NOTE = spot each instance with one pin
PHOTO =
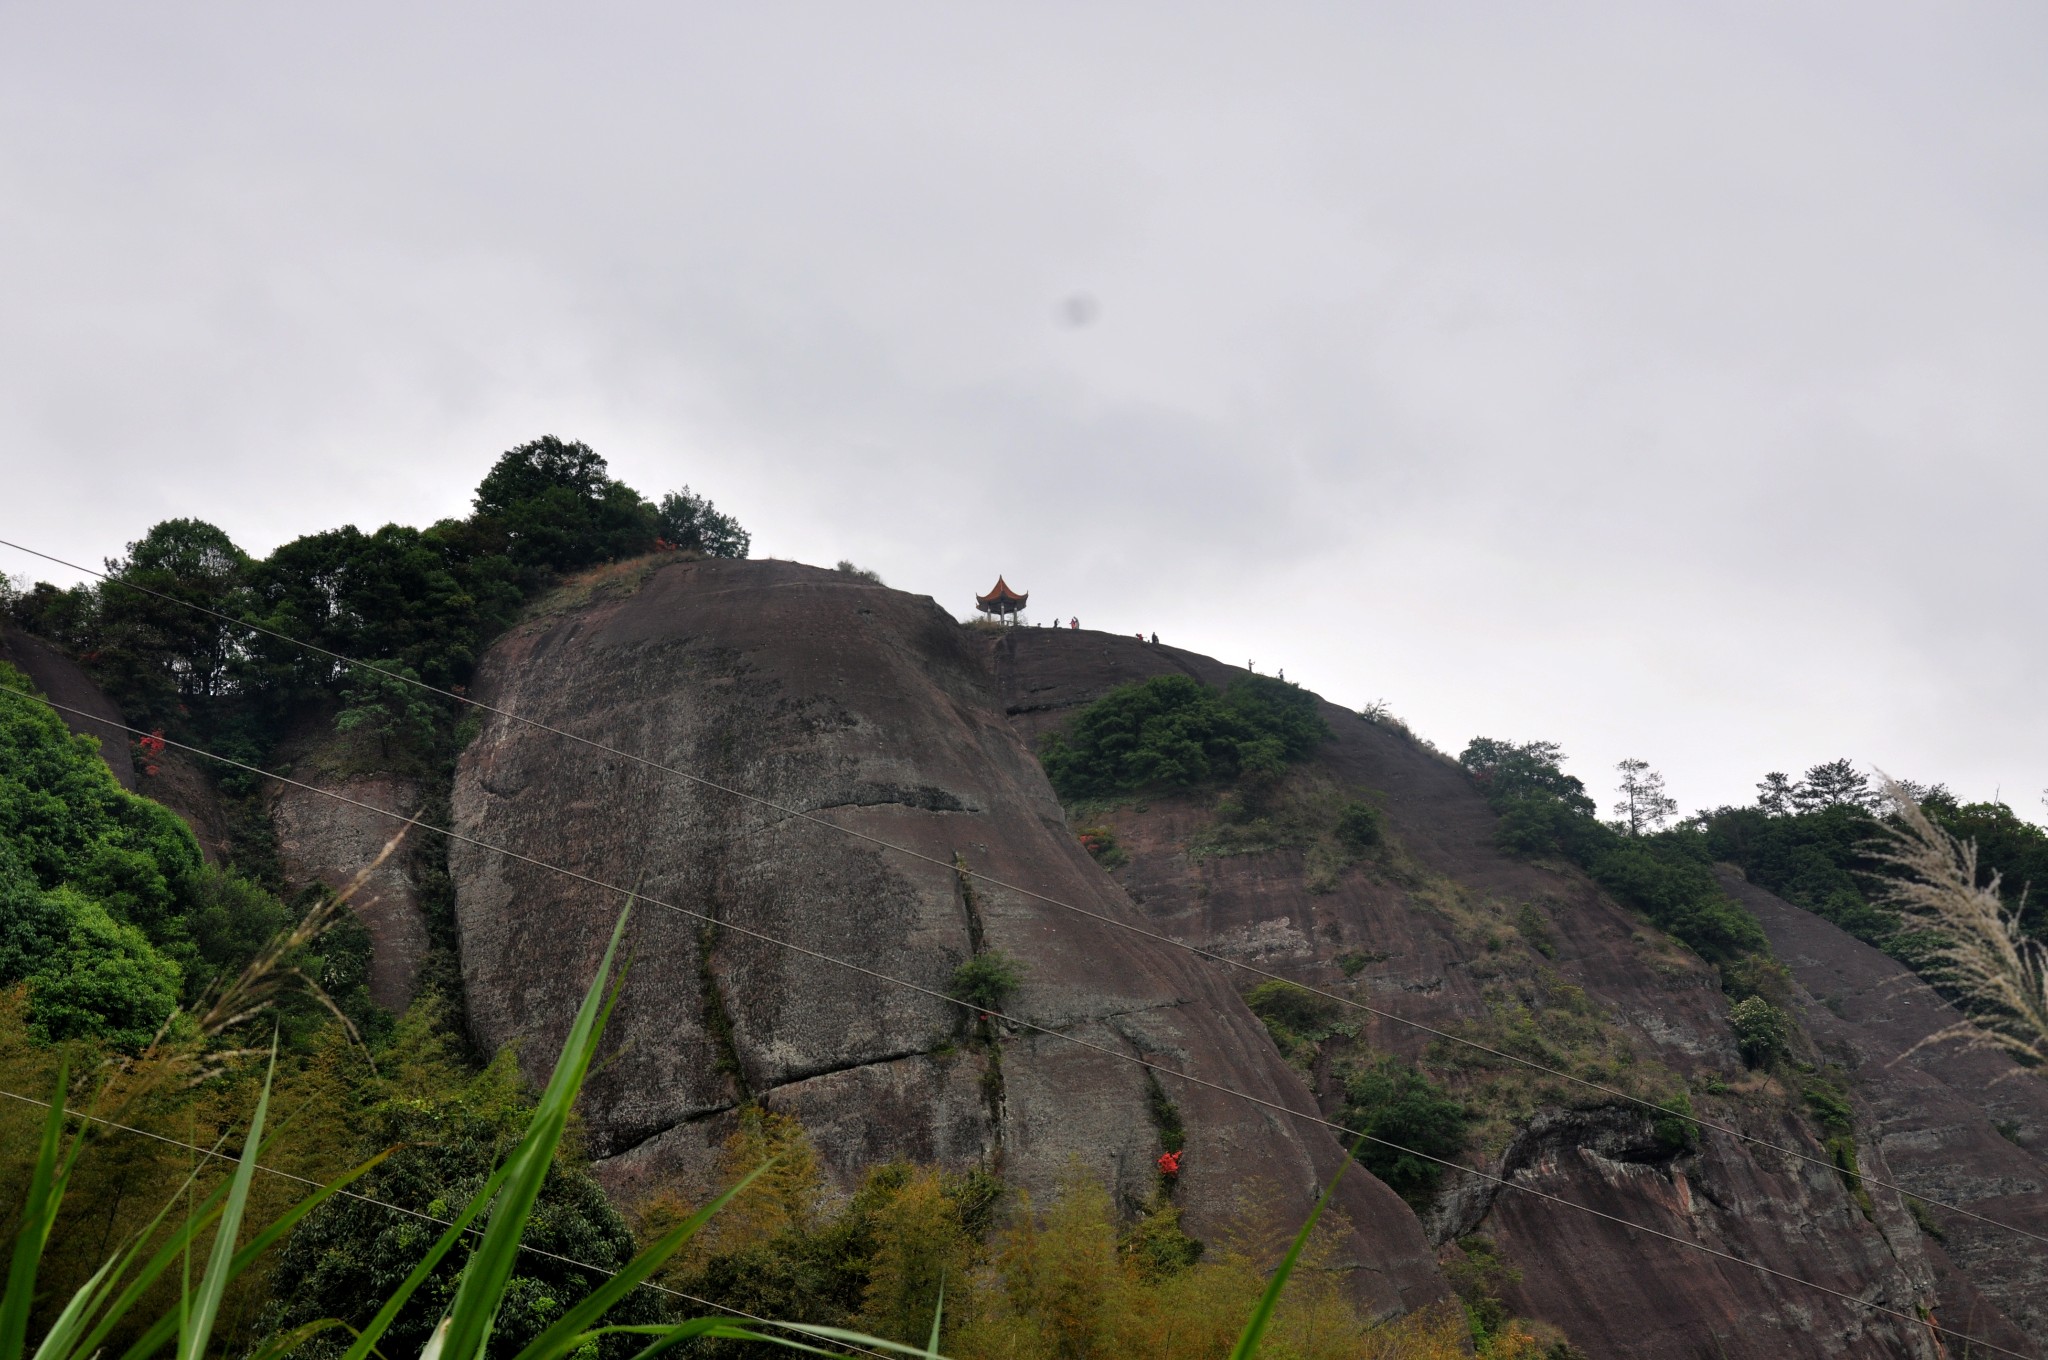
(1173, 730)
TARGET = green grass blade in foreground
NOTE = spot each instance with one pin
(174, 1249)
(938, 1316)
(668, 1337)
(91, 1301)
(567, 1333)
(489, 1269)
(366, 1340)
(284, 1343)
(1262, 1316)
(195, 1223)
(197, 1329)
(38, 1215)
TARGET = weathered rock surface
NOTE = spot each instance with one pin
(1431, 937)
(1955, 1121)
(328, 841)
(876, 711)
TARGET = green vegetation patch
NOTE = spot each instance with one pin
(1299, 1020)
(1668, 876)
(1415, 1120)
(1172, 731)
(1302, 810)
(107, 909)
(986, 980)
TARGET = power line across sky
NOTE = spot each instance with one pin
(629, 894)
(1131, 927)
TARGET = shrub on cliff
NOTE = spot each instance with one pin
(1397, 1103)
(1762, 1031)
(986, 980)
(1175, 731)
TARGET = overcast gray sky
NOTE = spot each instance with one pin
(1664, 380)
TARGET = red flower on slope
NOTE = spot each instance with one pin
(1169, 1163)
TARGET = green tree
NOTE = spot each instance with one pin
(692, 522)
(1667, 876)
(450, 1129)
(1837, 783)
(1762, 1031)
(555, 508)
(93, 869)
(1507, 771)
(382, 704)
(1644, 806)
(920, 1247)
(156, 652)
(1394, 1102)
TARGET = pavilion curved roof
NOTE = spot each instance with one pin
(1001, 593)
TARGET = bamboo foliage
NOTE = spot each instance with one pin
(1975, 944)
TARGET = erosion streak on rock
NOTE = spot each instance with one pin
(815, 689)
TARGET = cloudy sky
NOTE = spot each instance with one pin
(1665, 380)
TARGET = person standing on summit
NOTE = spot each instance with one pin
(1074, 622)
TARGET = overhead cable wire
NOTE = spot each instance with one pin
(473, 1230)
(1131, 927)
(631, 894)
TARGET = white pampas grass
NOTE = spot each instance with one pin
(1975, 947)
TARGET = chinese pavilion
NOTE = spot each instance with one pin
(1002, 601)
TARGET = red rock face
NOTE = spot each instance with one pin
(1416, 932)
(875, 710)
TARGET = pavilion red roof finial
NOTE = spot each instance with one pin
(1001, 600)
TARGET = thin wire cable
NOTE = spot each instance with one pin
(473, 1230)
(1017, 1022)
(1129, 926)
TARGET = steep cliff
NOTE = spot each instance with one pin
(1951, 1119)
(876, 710)
(1443, 929)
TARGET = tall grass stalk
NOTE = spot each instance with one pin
(505, 1202)
(1976, 946)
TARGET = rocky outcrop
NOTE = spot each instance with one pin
(1446, 931)
(1954, 1120)
(328, 841)
(875, 711)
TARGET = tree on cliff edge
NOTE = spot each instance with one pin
(558, 509)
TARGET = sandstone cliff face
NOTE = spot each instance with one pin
(327, 841)
(1430, 933)
(1954, 1121)
(876, 710)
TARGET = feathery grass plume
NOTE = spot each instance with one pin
(1978, 949)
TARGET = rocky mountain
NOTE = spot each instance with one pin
(875, 711)
(1453, 934)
